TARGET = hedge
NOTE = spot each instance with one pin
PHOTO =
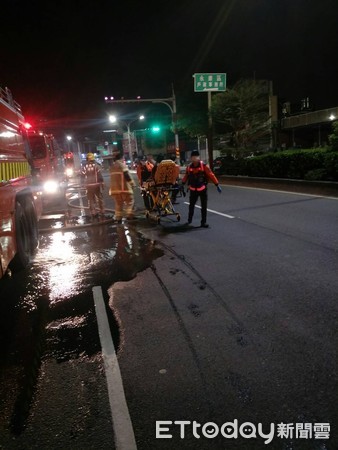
(314, 164)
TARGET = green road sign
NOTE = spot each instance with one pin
(205, 82)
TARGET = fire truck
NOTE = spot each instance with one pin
(20, 199)
(47, 164)
(69, 164)
(43, 153)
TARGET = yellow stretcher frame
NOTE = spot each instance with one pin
(160, 189)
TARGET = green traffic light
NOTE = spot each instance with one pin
(155, 129)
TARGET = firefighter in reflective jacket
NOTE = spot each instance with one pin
(94, 183)
(121, 188)
(197, 176)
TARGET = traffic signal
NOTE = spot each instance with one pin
(155, 129)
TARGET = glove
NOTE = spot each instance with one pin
(219, 189)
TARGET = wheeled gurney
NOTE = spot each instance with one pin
(161, 190)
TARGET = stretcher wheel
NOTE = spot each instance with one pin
(178, 217)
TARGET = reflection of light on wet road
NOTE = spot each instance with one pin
(129, 239)
(62, 281)
(64, 266)
(57, 225)
(131, 243)
(68, 262)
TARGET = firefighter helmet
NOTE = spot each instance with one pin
(90, 157)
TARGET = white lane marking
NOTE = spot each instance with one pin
(215, 212)
(123, 429)
(304, 194)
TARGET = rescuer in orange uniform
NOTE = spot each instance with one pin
(144, 169)
(197, 176)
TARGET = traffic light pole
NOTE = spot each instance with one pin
(166, 101)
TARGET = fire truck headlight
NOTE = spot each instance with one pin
(51, 187)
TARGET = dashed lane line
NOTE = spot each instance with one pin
(123, 429)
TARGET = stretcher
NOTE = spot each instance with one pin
(160, 191)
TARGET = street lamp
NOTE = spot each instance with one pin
(114, 119)
(69, 138)
(71, 143)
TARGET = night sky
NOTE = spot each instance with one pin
(60, 58)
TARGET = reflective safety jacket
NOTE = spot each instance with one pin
(198, 176)
(120, 179)
(92, 174)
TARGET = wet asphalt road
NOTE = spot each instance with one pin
(235, 322)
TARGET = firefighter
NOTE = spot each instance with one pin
(94, 183)
(197, 176)
(121, 188)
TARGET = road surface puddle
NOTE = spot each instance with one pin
(47, 311)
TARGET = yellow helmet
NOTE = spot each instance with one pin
(90, 157)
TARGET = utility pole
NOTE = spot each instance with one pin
(210, 82)
(210, 134)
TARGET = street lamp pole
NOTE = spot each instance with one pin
(72, 141)
(165, 101)
(114, 119)
(129, 143)
(69, 138)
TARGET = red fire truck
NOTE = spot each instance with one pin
(47, 163)
(69, 164)
(20, 200)
(43, 153)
